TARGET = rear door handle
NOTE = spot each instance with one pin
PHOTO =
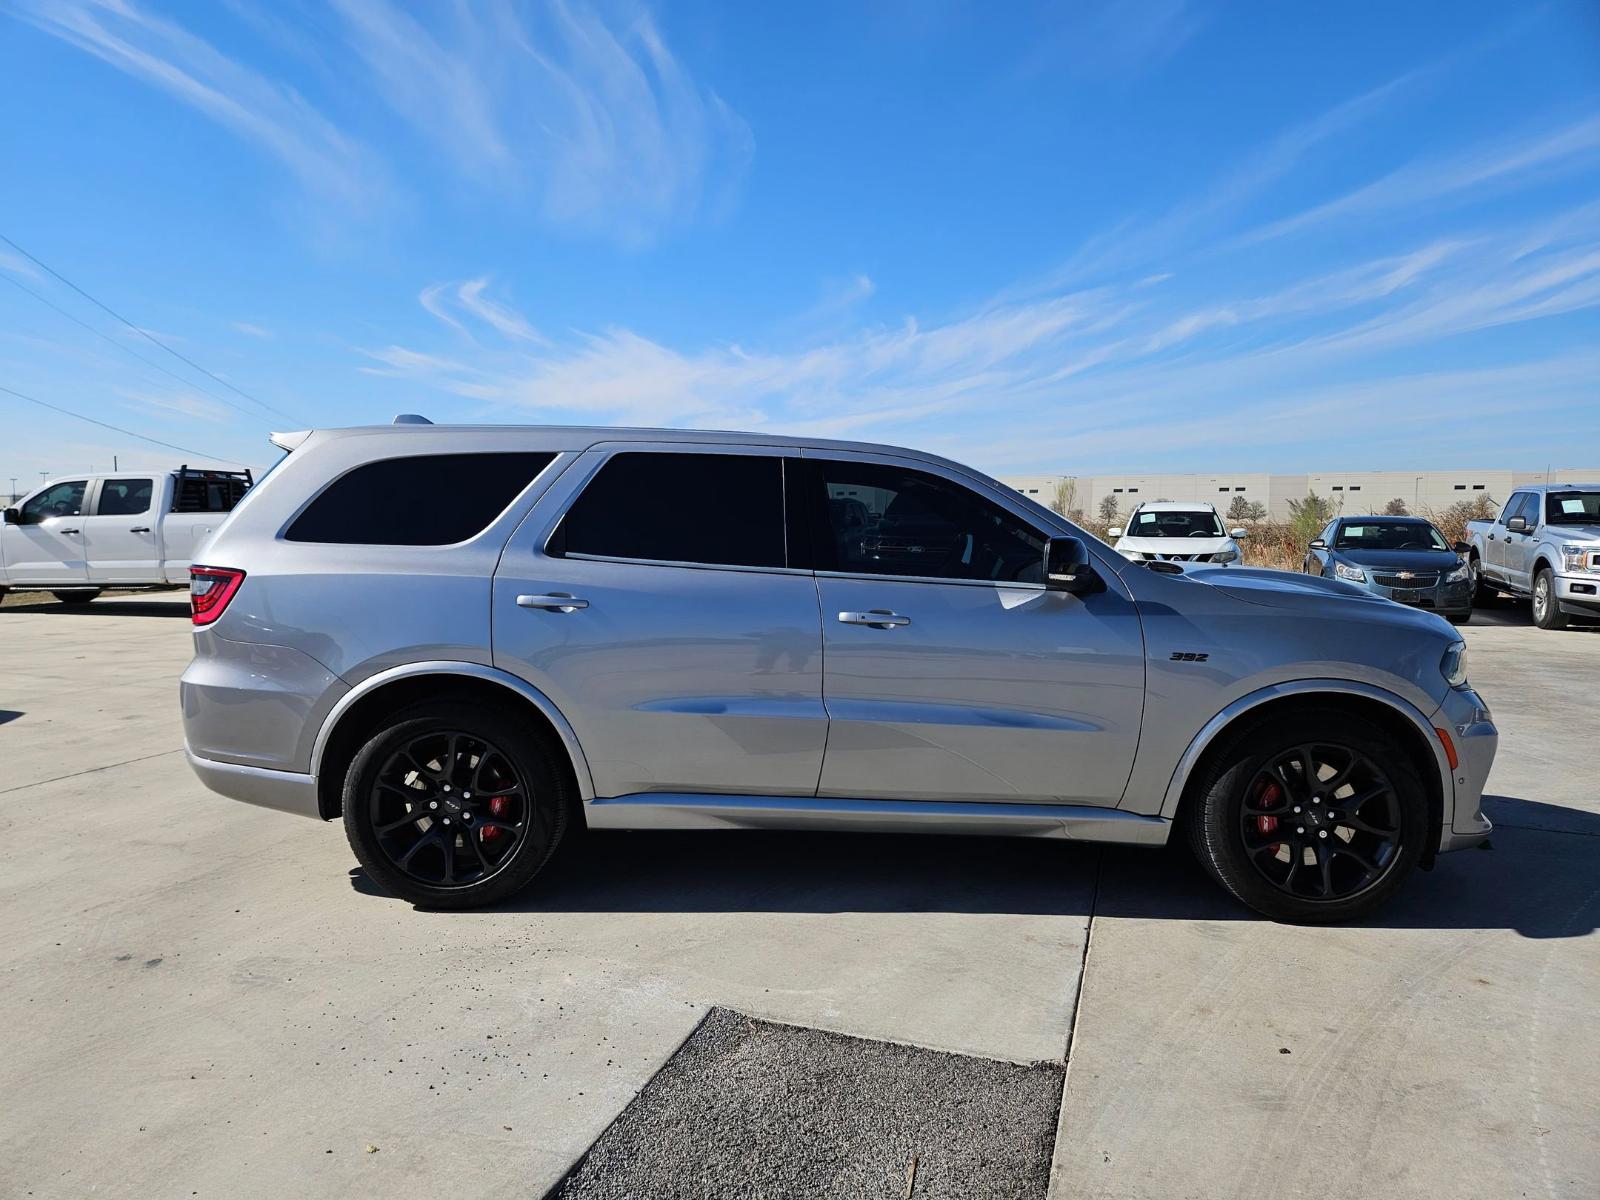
(877, 618)
(554, 602)
(139, 529)
(72, 531)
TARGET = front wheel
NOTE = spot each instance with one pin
(453, 804)
(1314, 817)
(1547, 612)
(83, 596)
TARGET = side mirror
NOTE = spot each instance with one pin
(1517, 525)
(1236, 534)
(1318, 544)
(1114, 531)
(1462, 549)
(1067, 568)
(13, 516)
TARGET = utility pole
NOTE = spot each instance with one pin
(113, 462)
(13, 489)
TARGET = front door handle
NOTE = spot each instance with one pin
(139, 529)
(554, 602)
(71, 531)
(877, 618)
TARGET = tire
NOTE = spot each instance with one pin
(1459, 618)
(1547, 612)
(1241, 853)
(441, 750)
(82, 596)
(1484, 595)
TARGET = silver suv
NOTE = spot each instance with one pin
(470, 642)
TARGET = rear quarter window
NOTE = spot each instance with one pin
(421, 500)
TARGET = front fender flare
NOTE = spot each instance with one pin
(1309, 687)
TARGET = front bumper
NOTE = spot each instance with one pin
(1578, 595)
(1465, 718)
(1453, 598)
(286, 791)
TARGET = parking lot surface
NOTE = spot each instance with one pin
(205, 998)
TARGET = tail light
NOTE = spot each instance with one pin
(210, 590)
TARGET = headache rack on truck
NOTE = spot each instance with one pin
(209, 491)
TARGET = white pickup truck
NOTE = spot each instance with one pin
(75, 536)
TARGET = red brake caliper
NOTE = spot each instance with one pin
(1271, 795)
(499, 806)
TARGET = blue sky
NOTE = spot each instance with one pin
(1069, 238)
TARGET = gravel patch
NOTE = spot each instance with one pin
(750, 1108)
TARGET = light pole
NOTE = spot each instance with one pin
(1416, 497)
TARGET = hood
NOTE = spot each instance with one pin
(1313, 596)
(1187, 547)
(1572, 533)
(1401, 560)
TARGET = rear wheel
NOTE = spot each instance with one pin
(1547, 612)
(1314, 817)
(454, 805)
(82, 596)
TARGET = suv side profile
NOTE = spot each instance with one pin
(468, 642)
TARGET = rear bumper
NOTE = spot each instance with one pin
(286, 791)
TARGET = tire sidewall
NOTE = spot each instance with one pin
(549, 801)
(1215, 825)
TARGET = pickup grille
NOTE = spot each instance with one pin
(1418, 579)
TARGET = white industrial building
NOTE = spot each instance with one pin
(1355, 492)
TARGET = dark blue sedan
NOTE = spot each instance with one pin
(1402, 558)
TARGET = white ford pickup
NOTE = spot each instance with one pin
(77, 535)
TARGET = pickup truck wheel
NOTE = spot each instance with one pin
(454, 805)
(1547, 612)
(1484, 594)
(78, 597)
(1314, 817)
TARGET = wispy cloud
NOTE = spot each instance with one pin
(590, 111)
(182, 406)
(165, 55)
(584, 112)
(249, 330)
(1516, 162)
(1101, 38)
(1117, 366)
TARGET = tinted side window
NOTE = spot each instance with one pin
(878, 520)
(124, 497)
(425, 500)
(721, 509)
(62, 500)
(1528, 510)
(1512, 505)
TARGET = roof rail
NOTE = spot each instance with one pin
(412, 419)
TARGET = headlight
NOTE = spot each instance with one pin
(1572, 557)
(1353, 574)
(1453, 666)
(1225, 556)
(1464, 571)
(1130, 555)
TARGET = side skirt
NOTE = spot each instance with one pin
(673, 810)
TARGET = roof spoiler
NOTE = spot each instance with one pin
(411, 419)
(288, 442)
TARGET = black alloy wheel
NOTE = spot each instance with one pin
(1315, 815)
(455, 804)
(448, 808)
(1320, 822)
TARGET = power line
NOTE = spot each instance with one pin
(150, 337)
(100, 333)
(116, 428)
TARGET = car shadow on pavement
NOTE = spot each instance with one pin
(120, 608)
(8, 714)
(1536, 877)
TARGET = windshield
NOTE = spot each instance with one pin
(1389, 535)
(1175, 525)
(1572, 508)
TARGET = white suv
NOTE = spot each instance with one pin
(1178, 532)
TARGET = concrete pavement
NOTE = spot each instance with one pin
(204, 998)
